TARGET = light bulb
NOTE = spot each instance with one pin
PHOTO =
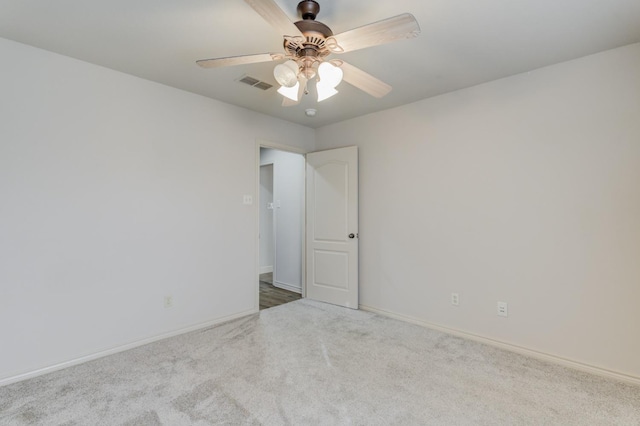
(286, 74)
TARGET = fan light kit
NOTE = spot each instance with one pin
(308, 43)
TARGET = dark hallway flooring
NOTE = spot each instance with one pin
(271, 296)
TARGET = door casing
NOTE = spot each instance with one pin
(260, 143)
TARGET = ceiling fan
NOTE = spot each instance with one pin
(308, 43)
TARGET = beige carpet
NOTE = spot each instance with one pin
(307, 363)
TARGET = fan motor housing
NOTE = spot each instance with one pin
(315, 34)
(309, 26)
(312, 49)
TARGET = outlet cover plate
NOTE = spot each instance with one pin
(455, 299)
(168, 302)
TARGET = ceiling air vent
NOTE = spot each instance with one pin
(254, 82)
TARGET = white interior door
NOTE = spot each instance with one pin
(332, 226)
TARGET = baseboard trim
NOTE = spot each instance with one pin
(289, 287)
(55, 367)
(266, 269)
(577, 365)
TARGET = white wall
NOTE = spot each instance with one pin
(115, 192)
(267, 220)
(524, 190)
(288, 195)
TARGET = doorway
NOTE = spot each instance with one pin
(281, 226)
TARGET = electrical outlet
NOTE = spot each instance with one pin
(503, 309)
(168, 301)
(455, 299)
(247, 200)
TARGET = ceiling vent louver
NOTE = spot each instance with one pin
(254, 82)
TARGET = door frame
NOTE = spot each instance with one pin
(262, 143)
(273, 217)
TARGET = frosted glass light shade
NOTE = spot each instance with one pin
(330, 74)
(290, 92)
(325, 91)
(330, 77)
(286, 74)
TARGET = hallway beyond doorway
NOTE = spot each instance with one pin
(271, 296)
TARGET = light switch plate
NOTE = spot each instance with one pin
(503, 309)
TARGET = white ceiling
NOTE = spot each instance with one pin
(463, 43)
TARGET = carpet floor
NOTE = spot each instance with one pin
(308, 363)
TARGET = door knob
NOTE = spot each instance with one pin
(352, 235)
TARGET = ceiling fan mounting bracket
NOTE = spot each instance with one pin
(308, 9)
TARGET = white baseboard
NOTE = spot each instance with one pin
(286, 286)
(266, 269)
(510, 347)
(111, 351)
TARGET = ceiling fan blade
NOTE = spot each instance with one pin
(275, 16)
(238, 60)
(381, 32)
(286, 102)
(364, 81)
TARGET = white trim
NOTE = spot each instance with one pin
(122, 348)
(289, 287)
(266, 269)
(259, 201)
(273, 145)
(576, 365)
